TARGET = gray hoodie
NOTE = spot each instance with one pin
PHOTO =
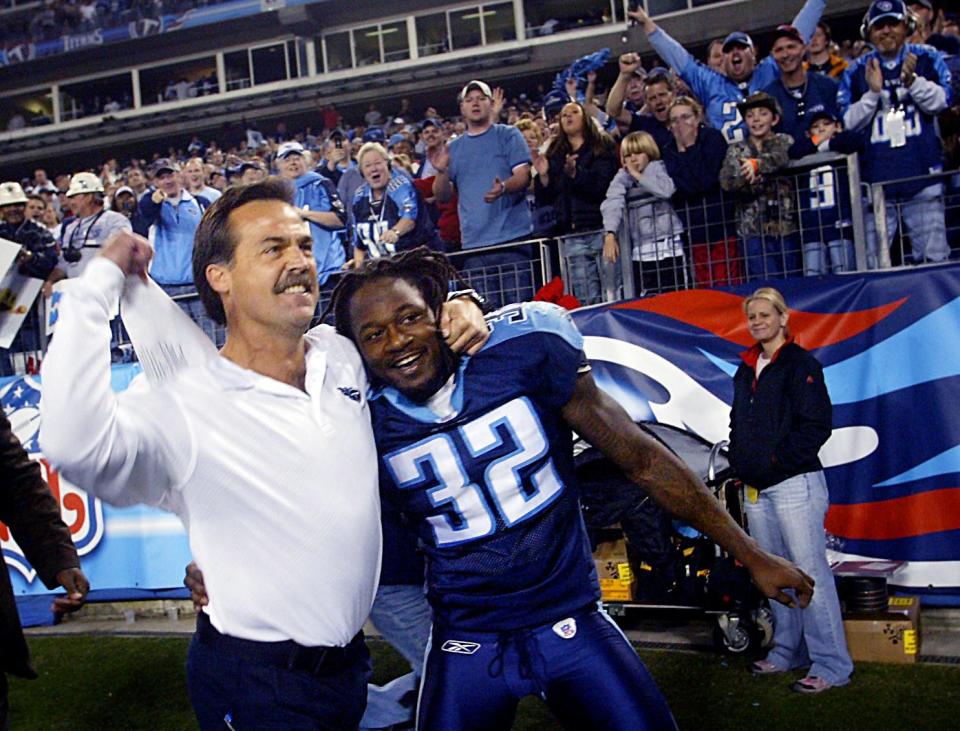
(653, 226)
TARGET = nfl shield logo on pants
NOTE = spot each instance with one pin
(566, 628)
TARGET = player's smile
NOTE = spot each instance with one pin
(396, 333)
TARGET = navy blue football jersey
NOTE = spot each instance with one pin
(400, 200)
(923, 152)
(490, 484)
(823, 194)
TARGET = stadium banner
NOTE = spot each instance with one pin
(141, 28)
(890, 347)
(123, 551)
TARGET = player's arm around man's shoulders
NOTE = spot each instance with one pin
(116, 449)
(600, 420)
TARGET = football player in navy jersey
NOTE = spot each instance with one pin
(477, 454)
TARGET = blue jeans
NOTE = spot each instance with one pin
(401, 613)
(787, 520)
(925, 223)
(588, 276)
(772, 257)
(833, 257)
(501, 277)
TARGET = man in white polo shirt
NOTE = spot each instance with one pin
(265, 452)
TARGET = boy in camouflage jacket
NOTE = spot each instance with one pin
(766, 205)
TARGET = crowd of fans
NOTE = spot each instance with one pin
(56, 18)
(678, 167)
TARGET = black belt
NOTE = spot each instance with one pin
(287, 654)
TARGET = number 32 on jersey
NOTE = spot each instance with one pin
(435, 463)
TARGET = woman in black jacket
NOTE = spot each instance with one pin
(780, 419)
(693, 159)
(580, 163)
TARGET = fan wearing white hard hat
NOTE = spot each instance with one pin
(38, 254)
(92, 225)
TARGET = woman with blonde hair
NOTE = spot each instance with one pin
(781, 417)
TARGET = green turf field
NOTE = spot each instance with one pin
(138, 683)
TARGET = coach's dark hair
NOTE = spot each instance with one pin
(429, 271)
(214, 243)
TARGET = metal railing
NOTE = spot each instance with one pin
(918, 218)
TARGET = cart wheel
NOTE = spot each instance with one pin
(763, 621)
(730, 634)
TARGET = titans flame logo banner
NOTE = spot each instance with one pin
(890, 347)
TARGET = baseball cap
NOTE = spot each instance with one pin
(880, 9)
(473, 85)
(289, 148)
(123, 189)
(374, 134)
(553, 101)
(737, 38)
(788, 31)
(84, 183)
(396, 138)
(760, 99)
(819, 111)
(926, 3)
(431, 122)
(165, 163)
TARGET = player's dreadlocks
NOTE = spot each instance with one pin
(429, 271)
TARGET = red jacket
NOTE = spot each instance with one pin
(448, 224)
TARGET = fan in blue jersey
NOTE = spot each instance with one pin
(477, 453)
(387, 211)
(317, 200)
(720, 93)
(894, 95)
(823, 195)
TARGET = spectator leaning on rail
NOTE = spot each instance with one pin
(720, 93)
(823, 194)
(316, 198)
(654, 229)
(895, 93)
(390, 216)
(574, 175)
(489, 167)
(693, 158)
(766, 206)
(797, 90)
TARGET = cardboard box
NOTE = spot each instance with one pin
(891, 637)
(617, 582)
